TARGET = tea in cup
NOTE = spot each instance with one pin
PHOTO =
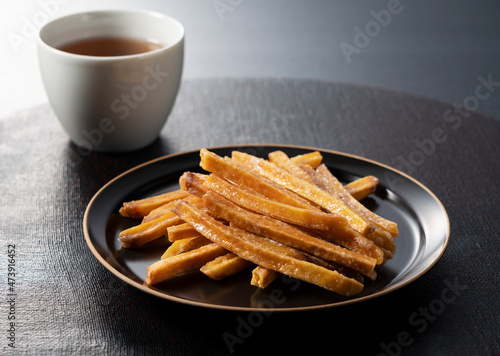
(112, 77)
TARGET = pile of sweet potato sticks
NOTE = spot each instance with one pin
(279, 215)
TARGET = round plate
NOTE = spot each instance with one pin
(422, 221)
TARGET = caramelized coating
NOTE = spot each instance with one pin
(312, 159)
(285, 233)
(280, 159)
(262, 277)
(168, 267)
(143, 233)
(249, 247)
(362, 187)
(302, 217)
(155, 226)
(162, 210)
(193, 183)
(185, 245)
(325, 179)
(140, 208)
(180, 232)
(285, 215)
(225, 266)
(229, 170)
(303, 188)
(354, 241)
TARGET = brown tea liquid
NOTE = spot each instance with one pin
(109, 46)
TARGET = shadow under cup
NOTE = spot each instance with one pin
(112, 103)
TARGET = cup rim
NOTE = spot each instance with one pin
(109, 11)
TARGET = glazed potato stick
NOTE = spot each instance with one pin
(362, 187)
(230, 171)
(381, 237)
(154, 225)
(302, 217)
(384, 241)
(143, 233)
(180, 232)
(225, 266)
(323, 177)
(354, 241)
(312, 159)
(162, 210)
(262, 277)
(193, 183)
(280, 159)
(346, 271)
(245, 245)
(285, 215)
(168, 267)
(285, 233)
(185, 245)
(303, 188)
(158, 212)
(140, 208)
(359, 189)
(325, 180)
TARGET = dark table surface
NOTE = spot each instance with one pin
(66, 302)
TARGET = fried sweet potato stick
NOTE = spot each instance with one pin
(382, 238)
(303, 188)
(346, 271)
(158, 212)
(185, 245)
(351, 240)
(359, 189)
(143, 233)
(247, 247)
(225, 168)
(168, 267)
(280, 159)
(262, 277)
(140, 208)
(285, 233)
(225, 266)
(312, 159)
(162, 210)
(193, 183)
(155, 224)
(384, 241)
(180, 232)
(324, 178)
(362, 187)
(302, 217)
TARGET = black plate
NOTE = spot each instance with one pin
(422, 221)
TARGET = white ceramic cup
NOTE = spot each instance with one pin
(115, 103)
